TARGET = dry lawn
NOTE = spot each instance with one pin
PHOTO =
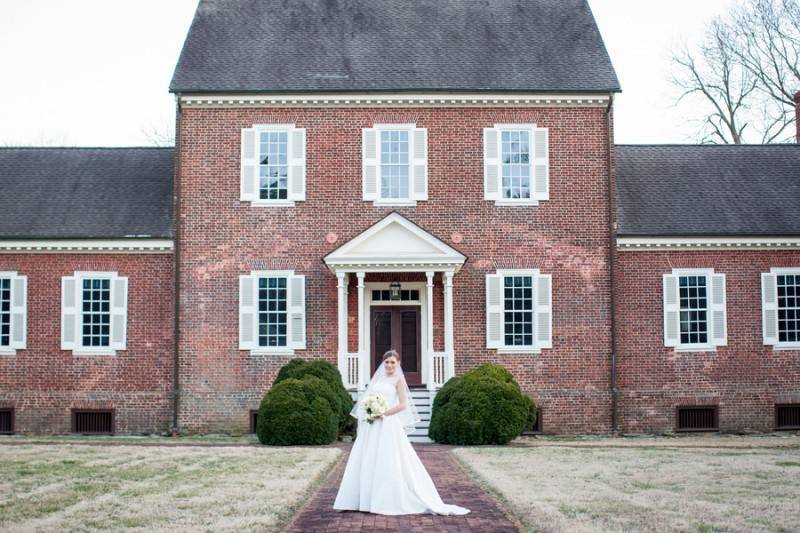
(81, 488)
(655, 488)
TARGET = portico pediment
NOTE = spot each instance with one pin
(394, 244)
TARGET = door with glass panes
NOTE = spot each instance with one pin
(397, 328)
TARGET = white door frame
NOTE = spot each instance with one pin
(423, 319)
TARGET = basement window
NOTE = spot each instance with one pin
(253, 420)
(697, 418)
(6, 421)
(787, 417)
(93, 421)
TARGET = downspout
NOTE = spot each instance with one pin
(176, 268)
(612, 237)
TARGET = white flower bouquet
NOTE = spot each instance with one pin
(375, 405)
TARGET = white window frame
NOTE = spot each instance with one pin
(79, 349)
(18, 311)
(780, 271)
(291, 346)
(413, 158)
(533, 157)
(535, 274)
(296, 160)
(709, 345)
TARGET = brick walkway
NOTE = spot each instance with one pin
(453, 484)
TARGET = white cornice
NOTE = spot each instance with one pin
(396, 100)
(707, 243)
(125, 246)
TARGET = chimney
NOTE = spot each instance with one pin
(797, 115)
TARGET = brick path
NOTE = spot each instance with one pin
(453, 484)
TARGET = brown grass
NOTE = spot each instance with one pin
(652, 488)
(83, 488)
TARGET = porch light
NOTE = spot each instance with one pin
(394, 290)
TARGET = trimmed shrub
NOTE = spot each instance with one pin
(297, 411)
(530, 422)
(341, 402)
(484, 406)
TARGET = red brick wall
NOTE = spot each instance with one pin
(745, 378)
(44, 382)
(222, 238)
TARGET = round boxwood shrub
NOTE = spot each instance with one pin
(484, 406)
(341, 403)
(298, 411)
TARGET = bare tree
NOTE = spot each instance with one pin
(163, 135)
(746, 73)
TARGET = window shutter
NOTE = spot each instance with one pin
(69, 313)
(769, 308)
(671, 311)
(494, 311)
(249, 164)
(419, 164)
(19, 318)
(248, 312)
(119, 313)
(491, 164)
(297, 312)
(297, 164)
(370, 164)
(719, 326)
(541, 164)
(544, 311)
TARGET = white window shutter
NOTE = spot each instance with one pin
(69, 313)
(19, 312)
(544, 311)
(719, 318)
(297, 312)
(541, 164)
(419, 164)
(370, 164)
(297, 164)
(248, 312)
(672, 335)
(119, 313)
(769, 308)
(491, 164)
(249, 165)
(494, 311)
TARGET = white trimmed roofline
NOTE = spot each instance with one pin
(422, 99)
(706, 243)
(346, 258)
(133, 245)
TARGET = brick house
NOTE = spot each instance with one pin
(339, 189)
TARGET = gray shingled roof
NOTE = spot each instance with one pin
(708, 190)
(85, 192)
(393, 45)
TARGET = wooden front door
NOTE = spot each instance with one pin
(398, 328)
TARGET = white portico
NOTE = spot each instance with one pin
(387, 316)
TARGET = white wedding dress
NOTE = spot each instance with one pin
(384, 475)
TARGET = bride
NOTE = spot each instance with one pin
(383, 473)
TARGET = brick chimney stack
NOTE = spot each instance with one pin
(797, 114)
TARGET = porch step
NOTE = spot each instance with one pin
(423, 400)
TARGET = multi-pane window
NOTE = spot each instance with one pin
(386, 295)
(518, 310)
(516, 166)
(5, 312)
(788, 308)
(394, 164)
(693, 309)
(96, 312)
(272, 312)
(273, 165)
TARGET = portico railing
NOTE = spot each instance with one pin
(352, 371)
(440, 369)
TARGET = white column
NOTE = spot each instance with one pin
(429, 329)
(342, 323)
(363, 357)
(448, 324)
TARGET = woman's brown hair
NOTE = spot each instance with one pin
(391, 353)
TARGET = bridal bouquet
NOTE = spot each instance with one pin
(375, 405)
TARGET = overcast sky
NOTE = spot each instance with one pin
(97, 72)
